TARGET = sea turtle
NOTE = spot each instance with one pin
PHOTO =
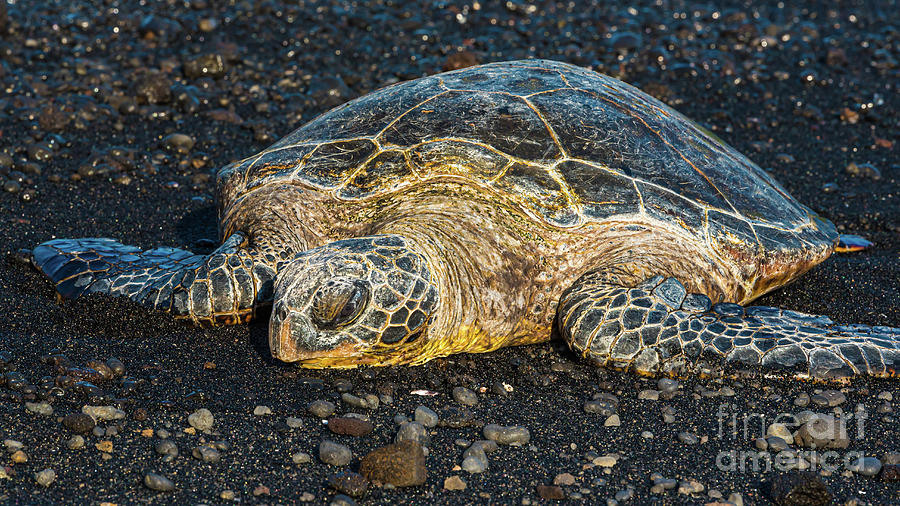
(476, 209)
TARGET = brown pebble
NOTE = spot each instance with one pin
(401, 464)
(550, 492)
(350, 426)
(19, 457)
(78, 422)
(350, 483)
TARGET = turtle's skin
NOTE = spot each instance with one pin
(477, 209)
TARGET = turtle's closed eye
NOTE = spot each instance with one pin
(339, 302)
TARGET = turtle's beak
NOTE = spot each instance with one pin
(294, 338)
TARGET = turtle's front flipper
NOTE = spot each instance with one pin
(222, 287)
(657, 327)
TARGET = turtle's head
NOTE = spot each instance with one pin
(352, 302)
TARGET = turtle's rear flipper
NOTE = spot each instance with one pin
(657, 327)
(222, 287)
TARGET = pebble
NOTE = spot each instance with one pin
(350, 426)
(564, 479)
(866, 466)
(688, 438)
(367, 401)
(465, 396)
(775, 444)
(886, 395)
(600, 407)
(321, 408)
(206, 454)
(300, 458)
(338, 500)
(864, 170)
(514, 435)
(39, 408)
(262, 411)
(45, 478)
(606, 461)
(413, 431)
(78, 422)
(802, 400)
(178, 143)
(551, 492)
(158, 482)
(454, 483)
(829, 398)
(780, 430)
(103, 412)
(688, 487)
(202, 419)
(822, 431)
(350, 483)
(649, 395)
(891, 458)
(293, 422)
(668, 385)
(334, 454)
(19, 457)
(426, 416)
(167, 447)
(75, 442)
(401, 464)
(612, 421)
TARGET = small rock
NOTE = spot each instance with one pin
(167, 447)
(103, 412)
(202, 419)
(688, 487)
(18, 457)
(206, 454)
(465, 396)
(605, 461)
(80, 423)
(612, 421)
(45, 478)
(334, 454)
(780, 430)
(321, 408)
(350, 483)
(401, 464)
(802, 400)
(454, 483)
(413, 431)
(178, 143)
(829, 398)
(300, 458)
(426, 416)
(262, 411)
(864, 170)
(822, 431)
(649, 395)
(551, 492)
(564, 479)
(75, 443)
(866, 466)
(350, 426)
(158, 482)
(514, 435)
(39, 408)
(688, 438)
(338, 500)
(293, 422)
